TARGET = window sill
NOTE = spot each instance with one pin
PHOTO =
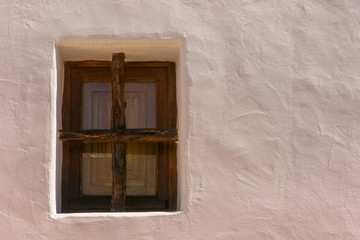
(104, 215)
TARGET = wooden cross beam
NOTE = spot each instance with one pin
(118, 122)
(121, 135)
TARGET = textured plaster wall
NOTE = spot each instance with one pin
(269, 115)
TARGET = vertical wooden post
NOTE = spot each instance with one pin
(118, 122)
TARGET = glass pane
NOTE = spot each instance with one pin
(96, 105)
(96, 169)
(141, 158)
(141, 169)
(140, 108)
(140, 105)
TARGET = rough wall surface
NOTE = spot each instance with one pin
(270, 116)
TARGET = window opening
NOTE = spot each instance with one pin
(119, 136)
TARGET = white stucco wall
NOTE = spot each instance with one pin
(269, 115)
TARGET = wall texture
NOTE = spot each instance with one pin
(269, 116)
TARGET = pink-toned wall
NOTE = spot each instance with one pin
(269, 114)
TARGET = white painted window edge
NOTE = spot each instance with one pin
(102, 215)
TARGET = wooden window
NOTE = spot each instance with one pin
(119, 156)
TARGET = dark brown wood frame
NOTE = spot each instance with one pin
(163, 73)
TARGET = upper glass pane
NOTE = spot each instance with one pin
(140, 108)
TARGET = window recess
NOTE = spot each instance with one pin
(119, 136)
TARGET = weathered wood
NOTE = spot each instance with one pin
(121, 135)
(117, 121)
(96, 63)
(118, 95)
(102, 203)
(88, 63)
(71, 120)
(172, 176)
(119, 177)
(172, 146)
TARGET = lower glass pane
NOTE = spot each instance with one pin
(141, 168)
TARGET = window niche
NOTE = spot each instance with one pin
(91, 139)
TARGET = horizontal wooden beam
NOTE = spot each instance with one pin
(121, 135)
